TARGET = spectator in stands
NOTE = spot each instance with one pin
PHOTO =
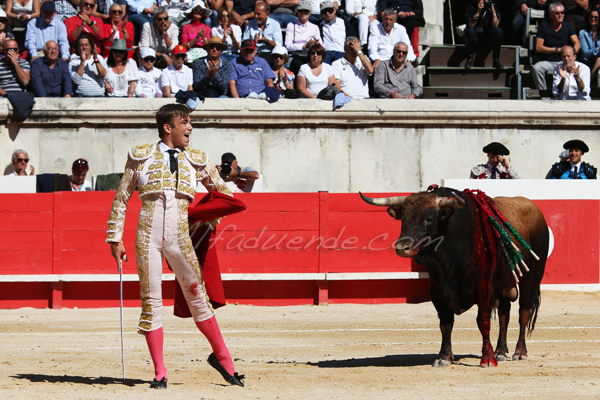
(571, 78)
(162, 36)
(5, 24)
(352, 72)
(562, 157)
(229, 33)
(396, 78)
(117, 28)
(301, 36)
(249, 74)
(590, 43)
(283, 11)
(410, 16)
(365, 13)
(176, 76)
(149, 75)
(575, 12)
(243, 11)
(141, 12)
(196, 33)
(20, 158)
(212, 74)
(66, 9)
(79, 170)
(519, 13)
(20, 12)
(483, 26)
(574, 168)
(102, 9)
(551, 37)
(177, 10)
(334, 31)
(284, 78)
(384, 36)
(88, 68)
(50, 75)
(315, 75)
(265, 32)
(44, 28)
(14, 71)
(122, 74)
(85, 22)
(231, 172)
(497, 166)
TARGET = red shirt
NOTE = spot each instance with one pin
(108, 31)
(75, 22)
(190, 31)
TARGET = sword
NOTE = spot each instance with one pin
(121, 297)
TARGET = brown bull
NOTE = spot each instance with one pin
(439, 230)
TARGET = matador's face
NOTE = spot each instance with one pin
(181, 131)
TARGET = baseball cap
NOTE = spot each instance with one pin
(48, 6)
(304, 5)
(326, 5)
(280, 50)
(147, 52)
(248, 44)
(228, 157)
(179, 49)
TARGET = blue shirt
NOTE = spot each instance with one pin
(272, 32)
(251, 78)
(51, 82)
(589, 47)
(39, 33)
(137, 6)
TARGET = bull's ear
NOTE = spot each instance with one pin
(394, 211)
(446, 212)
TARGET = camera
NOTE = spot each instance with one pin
(226, 167)
(488, 3)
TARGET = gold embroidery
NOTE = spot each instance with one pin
(142, 152)
(142, 241)
(127, 186)
(197, 158)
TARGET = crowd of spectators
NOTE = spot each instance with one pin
(217, 48)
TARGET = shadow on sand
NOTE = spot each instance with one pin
(403, 360)
(85, 380)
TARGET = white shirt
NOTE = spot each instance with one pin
(120, 82)
(148, 83)
(381, 44)
(176, 80)
(90, 84)
(86, 187)
(334, 35)
(164, 149)
(175, 8)
(571, 90)
(354, 80)
(237, 33)
(314, 84)
(366, 7)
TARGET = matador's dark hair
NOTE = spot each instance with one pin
(167, 113)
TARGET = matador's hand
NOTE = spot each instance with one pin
(118, 252)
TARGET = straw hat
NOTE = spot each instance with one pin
(214, 40)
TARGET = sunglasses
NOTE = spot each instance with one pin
(314, 53)
(198, 10)
(2, 21)
(225, 16)
(83, 162)
(277, 56)
(23, 159)
(214, 46)
(149, 59)
(180, 55)
(559, 12)
(593, 17)
(327, 11)
(89, 4)
(162, 19)
(401, 52)
(117, 12)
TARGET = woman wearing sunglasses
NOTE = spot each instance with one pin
(79, 170)
(122, 74)
(315, 75)
(590, 43)
(118, 28)
(229, 33)
(196, 33)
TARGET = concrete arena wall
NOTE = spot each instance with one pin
(304, 146)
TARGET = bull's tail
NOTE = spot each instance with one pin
(534, 311)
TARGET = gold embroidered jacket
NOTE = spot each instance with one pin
(146, 170)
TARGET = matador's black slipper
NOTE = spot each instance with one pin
(162, 384)
(234, 379)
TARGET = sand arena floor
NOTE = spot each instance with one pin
(305, 352)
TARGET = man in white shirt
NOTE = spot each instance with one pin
(20, 158)
(177, 76)
(149, 75)
(384, 36)
(352, 72)
(334, 31)
(571, 78)
(88, 69)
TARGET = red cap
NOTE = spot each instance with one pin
(179, 49)
(248, 44)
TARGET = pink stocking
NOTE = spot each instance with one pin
(211, 330)
(155, 340)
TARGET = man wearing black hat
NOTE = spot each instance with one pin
(497, 166)
(574, 168)
(231, 172)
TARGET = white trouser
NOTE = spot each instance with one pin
(363, 27)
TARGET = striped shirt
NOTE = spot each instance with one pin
(8, 76)
(90, 84)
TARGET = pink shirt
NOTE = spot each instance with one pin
(191, 30)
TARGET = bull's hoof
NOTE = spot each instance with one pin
(519, 357)
(441, 362)
(501, 357)
(488, 362)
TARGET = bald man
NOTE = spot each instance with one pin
(14, 72)
(50, 75)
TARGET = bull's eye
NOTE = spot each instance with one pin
(428, 221)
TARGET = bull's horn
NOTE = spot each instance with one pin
(455, 201)
(383, 201)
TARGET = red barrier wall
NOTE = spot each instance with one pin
(64, 232)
